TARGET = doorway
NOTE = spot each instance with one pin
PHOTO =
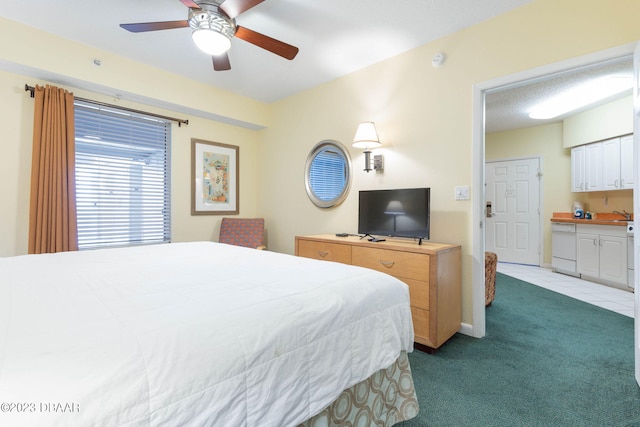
(479, 194)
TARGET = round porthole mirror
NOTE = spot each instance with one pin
(327, 174)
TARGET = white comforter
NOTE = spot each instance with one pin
(189, 334)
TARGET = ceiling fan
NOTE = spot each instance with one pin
(213, 23)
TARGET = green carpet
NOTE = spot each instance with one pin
(546, 360)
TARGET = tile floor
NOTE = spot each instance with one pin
(613, 299)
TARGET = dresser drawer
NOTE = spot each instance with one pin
(418, 293)
(324, 251)
(407, 265)
(432, 271)
(421, 326)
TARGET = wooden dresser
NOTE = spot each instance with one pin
(431, 270)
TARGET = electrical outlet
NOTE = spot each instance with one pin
(462, 193)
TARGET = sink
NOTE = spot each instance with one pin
(614, 220)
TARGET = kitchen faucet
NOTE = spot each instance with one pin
(624, 213)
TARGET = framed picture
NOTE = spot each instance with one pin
(214, 178)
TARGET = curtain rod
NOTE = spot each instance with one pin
(32, 89)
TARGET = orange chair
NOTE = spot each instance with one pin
(247, 232)
(490, 266)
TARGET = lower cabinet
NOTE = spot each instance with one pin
(431, 270)
(602, 253)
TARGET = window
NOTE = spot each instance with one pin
(327, 174)
(122, 177)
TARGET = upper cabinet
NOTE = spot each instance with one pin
(626, 162)
(611, 164)
(593, 167)
(603, 166)
(577, 169)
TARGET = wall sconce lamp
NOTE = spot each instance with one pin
(367, 138)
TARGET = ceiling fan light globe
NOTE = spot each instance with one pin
(211, 42)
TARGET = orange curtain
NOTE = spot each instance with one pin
(52, 216)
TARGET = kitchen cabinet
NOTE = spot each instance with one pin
(586, 168)
(602, 253)
(626, 162)
(603, 166)
(617, 155)
(593, 167)
(577, 169)
(611, 164)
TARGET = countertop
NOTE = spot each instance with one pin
(598, 218)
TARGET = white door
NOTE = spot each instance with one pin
(513, 225)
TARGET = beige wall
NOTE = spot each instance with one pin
(597, 124)
(424, 117)
(15, 164)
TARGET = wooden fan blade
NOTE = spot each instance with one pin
(190, 3)
(234, 8)
(221, 62)
(142, 27)
(272, 45)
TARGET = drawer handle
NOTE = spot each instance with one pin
(387, 264)
(323, 253)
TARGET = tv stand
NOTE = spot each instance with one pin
(432, 271)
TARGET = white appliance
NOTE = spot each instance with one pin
(564, 248)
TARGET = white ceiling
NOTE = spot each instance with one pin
(508, 108)
(335, 37)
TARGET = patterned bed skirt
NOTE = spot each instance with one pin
(384, 399)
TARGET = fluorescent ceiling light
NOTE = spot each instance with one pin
(581, 96)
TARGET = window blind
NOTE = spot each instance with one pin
(122, 177)
(328, 175)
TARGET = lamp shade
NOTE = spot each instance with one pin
(210, 41)
(394, 208)
(366, 136)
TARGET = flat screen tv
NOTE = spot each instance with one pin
(395, 213)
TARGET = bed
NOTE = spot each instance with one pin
(202, 334)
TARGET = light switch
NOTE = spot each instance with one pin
(462, 193)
